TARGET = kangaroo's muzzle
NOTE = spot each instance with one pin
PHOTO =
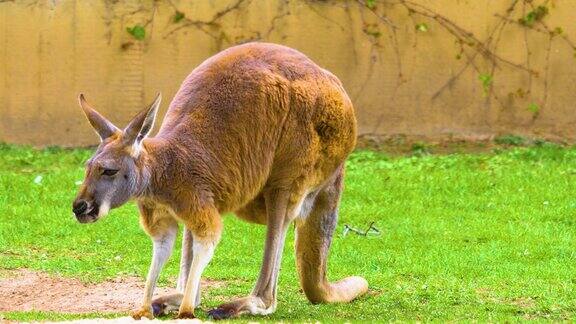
(85, 212)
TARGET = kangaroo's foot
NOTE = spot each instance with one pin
(166, 304)
(143, 312)
(252, 305)
(186, 314)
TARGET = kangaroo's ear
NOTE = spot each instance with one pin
(141, 125)
(103, 127)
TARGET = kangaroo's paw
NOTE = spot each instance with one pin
(251, 305)
(143, 312)
(223, 312)
(158, 309)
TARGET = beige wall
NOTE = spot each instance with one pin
(52, 50)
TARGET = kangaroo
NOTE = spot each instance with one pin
(259, 130)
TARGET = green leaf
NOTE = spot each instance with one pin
(137, 32)
(534, 16)
(178, 15)
(486, 80)
(371, 4)
(557, 31)
(422, 27)
(534, 107)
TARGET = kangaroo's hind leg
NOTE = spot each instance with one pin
(262, 300)
(313, 239)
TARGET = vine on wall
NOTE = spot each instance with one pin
(529, 15)
(480, 55)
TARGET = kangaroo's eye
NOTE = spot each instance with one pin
(109, 172)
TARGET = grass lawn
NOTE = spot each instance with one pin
(488, 237)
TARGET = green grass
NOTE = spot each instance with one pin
(487, 237)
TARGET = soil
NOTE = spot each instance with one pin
(122, 320)
(402, 145)
(26, 290)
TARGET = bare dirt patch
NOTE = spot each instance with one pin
(26, 290)
(401, 145)
(120, 320)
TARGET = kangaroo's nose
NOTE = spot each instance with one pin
(79, 207)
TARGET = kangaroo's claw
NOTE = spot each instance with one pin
(142, 313)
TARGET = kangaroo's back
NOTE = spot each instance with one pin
(262, 114)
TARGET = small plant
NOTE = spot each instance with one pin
(371, 4)
(534, 16)
(510, 140)
(534, 108)
(486, 80)
(178, 16)
(544, 143)
(422, 27)
(557, 31)
(420, 149)
(138, 32)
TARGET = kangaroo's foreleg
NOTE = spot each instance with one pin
(163, 242)
(262, 300)
(167, 303)
(206, 229)
(185, 260)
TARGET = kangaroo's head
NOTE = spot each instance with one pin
(114, 173)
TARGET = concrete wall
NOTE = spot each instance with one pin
(52, 50)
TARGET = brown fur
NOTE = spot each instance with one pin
(258, 130)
